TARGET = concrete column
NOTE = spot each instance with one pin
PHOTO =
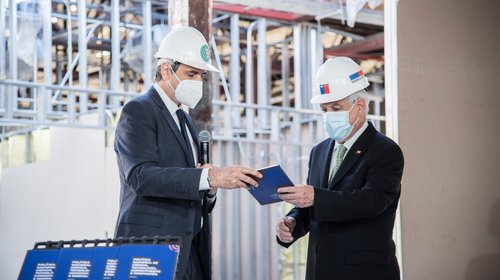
(449, 107)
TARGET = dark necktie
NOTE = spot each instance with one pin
(182, 124)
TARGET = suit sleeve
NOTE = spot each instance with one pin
(301, 216)
(380, 189)
(137, 153)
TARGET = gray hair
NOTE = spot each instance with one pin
(173, 64)
(362, 94)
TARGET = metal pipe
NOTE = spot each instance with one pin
(115, 51)
(99, 22)
(298, 64)
(234, 75)
(67, 88)
(221, 18)
(58, 79)
(12, 97)
(22, 122)
(234, 78)
(69, 49)
(249, 82)
(312, 65)
(221, 71)
(297, 54)
(319, 49)
(285, 72)
(147, 43)
(47, 59)
(227, 117)
(262, 72)
(2, 53)
(82, 51)
(71, 96)
(73, 64)
(263, 91)
(250, 146)
(101, 101)
(35, 96)
(133, 94)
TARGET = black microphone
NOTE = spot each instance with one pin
(204, 137)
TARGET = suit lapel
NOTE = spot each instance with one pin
(171, 123)
(326, 161)
(356, 152)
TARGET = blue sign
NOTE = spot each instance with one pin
(39, 264)
(147, 262)
(135, 261)
(74, 263)
(105, 263)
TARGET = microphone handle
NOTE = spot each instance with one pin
(205, 152)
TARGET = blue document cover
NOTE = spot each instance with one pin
(273, 178)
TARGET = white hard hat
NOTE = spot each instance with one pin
(187, 46)
(336, 79)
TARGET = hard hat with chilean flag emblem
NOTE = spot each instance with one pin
(336, 79)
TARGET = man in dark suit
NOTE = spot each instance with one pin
(349, 204)
(163, 189)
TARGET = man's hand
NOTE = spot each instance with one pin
(284, 229)
(300, 196)
(232, 177)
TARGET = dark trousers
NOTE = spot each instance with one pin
(194, 270)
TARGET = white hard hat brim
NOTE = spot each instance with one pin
(320, 99)
(204, 66)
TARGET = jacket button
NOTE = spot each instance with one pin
(192, 204)
(188, 233)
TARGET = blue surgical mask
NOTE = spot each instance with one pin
(337, 124)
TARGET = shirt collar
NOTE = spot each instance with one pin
(348, 144)
(171, 106)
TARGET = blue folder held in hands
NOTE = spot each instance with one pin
(273, 177)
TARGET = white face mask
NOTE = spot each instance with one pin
(188, 92)
(337, 124)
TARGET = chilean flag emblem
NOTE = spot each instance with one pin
(324, 89)
(356, 76)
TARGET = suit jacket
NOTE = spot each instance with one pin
(159, 184)
(350, 225)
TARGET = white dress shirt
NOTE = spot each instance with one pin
(172, 108)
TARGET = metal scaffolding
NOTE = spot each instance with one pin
(261, 113)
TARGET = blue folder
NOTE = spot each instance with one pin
(273, 178)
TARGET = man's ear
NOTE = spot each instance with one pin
(166, 71)
(362, 104)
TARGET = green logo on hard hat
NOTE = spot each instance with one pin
(205, 53)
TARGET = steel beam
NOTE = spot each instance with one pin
(2, 55)
(249, 80)
(262, 72)
(12, 94)
(115, 51)
(234, 69)
(147, 42)
(82, 50)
